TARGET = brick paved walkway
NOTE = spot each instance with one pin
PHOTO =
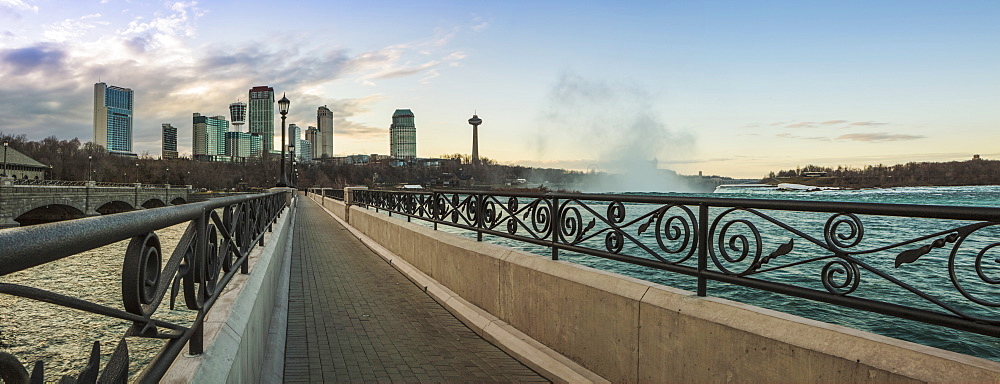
(352, 317)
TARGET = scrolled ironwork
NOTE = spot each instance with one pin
(141, 278)
(847, 272)
(835, 239)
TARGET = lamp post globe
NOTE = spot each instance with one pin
(283, 110)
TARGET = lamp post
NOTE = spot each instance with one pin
(5, 143)
(283, 110)
(291, 161)
(90, 167)
(137, 173)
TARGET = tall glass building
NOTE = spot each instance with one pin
(304, 151)
(324, 122)
(403, 135)
(261, 113)
(209, 136)
(239, 145)
(169, 141)
(312, 136)
(113, 118)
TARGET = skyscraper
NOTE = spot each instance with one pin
(169, 141)
(239, 145)
(113, 118)
(262, 115)
(324, 122)
(312, 136)
(209, 136)
(403, 135)
(304, 151)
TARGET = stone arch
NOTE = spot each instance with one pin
(48, 214)
(153, 203)
(178, 201)
(116, 206)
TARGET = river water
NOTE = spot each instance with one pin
(62, 337)
(930, 274)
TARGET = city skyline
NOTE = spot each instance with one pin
(731, 88)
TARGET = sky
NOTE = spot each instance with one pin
(731, 88)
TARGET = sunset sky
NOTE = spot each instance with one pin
(734, 88)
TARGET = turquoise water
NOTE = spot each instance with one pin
(929, 274)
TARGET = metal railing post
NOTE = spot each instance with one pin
(554, 230)
(702, 249)
(480, 211)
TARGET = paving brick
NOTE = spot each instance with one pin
(352, 317)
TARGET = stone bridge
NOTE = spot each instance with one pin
(26, 204)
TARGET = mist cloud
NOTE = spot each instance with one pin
(616, 123)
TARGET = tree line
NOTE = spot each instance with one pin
(969, 172)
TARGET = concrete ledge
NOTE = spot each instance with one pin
(718, 334)
(236, 328)
(531, 353)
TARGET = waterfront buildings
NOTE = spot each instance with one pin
(113, 118)
(261, 115)
(169, 141)
(324, 134)
(209, 137)
(403, 135)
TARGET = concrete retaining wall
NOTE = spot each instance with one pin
(236, 328)
(629, 330)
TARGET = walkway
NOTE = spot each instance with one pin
(352, 317)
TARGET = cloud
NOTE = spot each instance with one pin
(833, 122)
(70, 29)
(805, 124)
(791, 136)
(878, 137)
(45, 58)
(18, 5)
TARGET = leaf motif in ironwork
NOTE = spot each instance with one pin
(644, 227)
(590, 226)
(911, 255)
(782, 250)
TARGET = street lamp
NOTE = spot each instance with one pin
(5, 143)
(291, 160)
(90, 167)
(283, 110)
(137, 173)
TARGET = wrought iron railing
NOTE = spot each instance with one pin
(215, 246)
(333, 193)
(336, 194)
(946, 267)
